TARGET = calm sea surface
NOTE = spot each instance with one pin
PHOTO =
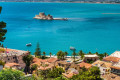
(88, 29)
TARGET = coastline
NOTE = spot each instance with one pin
(62, 2)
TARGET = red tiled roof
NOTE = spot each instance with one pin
(86, 65)
(11, 64)
(110, 58)
(50, 60)
(68, 75)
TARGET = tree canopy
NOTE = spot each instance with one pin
(3, 31)
(38, 51)
(92, 74)
(10, 74)
(27, 60)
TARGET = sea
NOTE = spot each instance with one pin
(90, 27)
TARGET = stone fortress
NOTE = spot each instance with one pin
(42, 16)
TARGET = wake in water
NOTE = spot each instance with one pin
(77, 19)
(110, 13)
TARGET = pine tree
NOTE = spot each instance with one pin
(38, 51)
(2, 29)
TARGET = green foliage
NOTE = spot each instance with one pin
(3, 31)
(60, 78)
(89, 53)
(92, 74)
(27, 60)
(38, 51)
(34, 67)
(60, 55)
(50, 54)
(74, 54)
(57, 72)
(105, 54)
(101, 56)
(44, 54)
(2, 63)
(89, 61)
(2, 50)
(10, 74)
(81, 53)
(66, 53)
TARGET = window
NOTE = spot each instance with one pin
(8, 59)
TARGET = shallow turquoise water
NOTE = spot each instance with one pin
(88, 29)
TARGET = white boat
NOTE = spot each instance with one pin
(29, 44)
(72, 48)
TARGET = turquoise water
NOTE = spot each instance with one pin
(88, 29)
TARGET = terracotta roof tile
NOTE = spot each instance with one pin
(68, 75)
(86, 65)
(11, 64)
(110, 58)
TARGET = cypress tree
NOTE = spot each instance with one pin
(38, 51)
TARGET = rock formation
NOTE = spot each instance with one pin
(43, 16)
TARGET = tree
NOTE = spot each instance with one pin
(89, 53)
(3, 31)
(81, 54)
(92, 74)
(60, 55)
(96, 53)
(34, 67)
(74, 54)
(105, 54)
(10, 74)
(44, 54)
(50, 54)
(27, 60)
(56, 72)
(66, 53)
(60, 78)
(38, 51)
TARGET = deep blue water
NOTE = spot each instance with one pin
(88, 29)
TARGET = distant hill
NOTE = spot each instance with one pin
(102, 1)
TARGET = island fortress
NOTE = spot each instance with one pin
(42, 16)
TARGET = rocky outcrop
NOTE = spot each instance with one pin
(44, 17)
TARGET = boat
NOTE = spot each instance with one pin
(72, 48)
(29, 44)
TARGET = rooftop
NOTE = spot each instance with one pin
(111, 59)
(116, 54)
(102, 63)
(116, 66)
(9, 52)
(11, 64)
(86, 65)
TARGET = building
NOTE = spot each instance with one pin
(115, 68)
(92, 57)
(83, 64)
(12, 65)
(111, 59)
(65, 65)
(13, 56)
(116, 54)
(70, 73)
(103, 66)
(45, 64)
